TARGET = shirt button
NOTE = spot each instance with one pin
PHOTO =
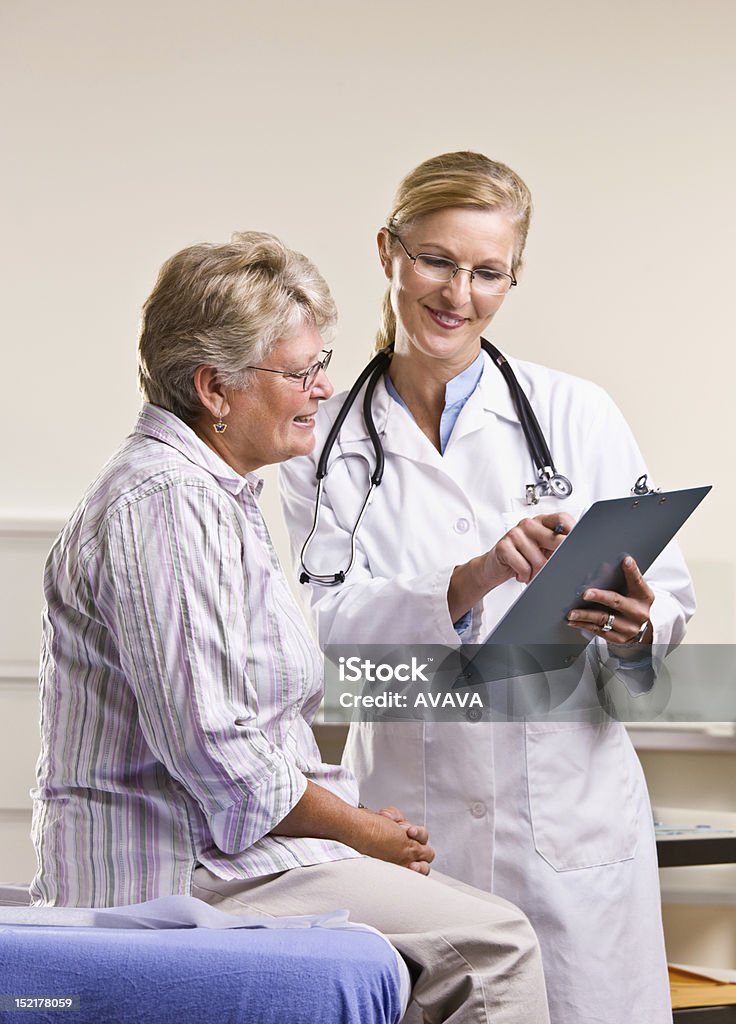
(461, 525)
(478, 809)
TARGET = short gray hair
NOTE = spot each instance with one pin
(224, 306)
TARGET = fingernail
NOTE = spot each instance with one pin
(628, 561)
(588, 595)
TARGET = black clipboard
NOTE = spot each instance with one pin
(591, 556)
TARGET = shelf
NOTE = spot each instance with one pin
(708, 738)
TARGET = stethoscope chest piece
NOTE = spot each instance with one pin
(560, 486)
(552, 486)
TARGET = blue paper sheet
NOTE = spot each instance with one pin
(172, 974)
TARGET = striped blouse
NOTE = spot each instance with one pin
(178, 681)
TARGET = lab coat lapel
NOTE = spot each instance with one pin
(400, 436)
(490, 398)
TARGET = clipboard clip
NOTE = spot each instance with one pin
(642, 486)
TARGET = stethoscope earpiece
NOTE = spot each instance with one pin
(642, 486)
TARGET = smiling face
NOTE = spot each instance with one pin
(444, 321)
(271, 419)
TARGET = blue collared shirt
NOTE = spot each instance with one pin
(457, 392)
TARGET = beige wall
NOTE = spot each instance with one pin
(133, 129)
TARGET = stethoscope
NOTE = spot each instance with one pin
(549, 482)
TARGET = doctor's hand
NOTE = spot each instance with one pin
(626, 619)
(522, 552)
(519, 554)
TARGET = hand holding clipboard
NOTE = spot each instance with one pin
(591, 558)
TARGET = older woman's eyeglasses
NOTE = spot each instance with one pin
(440, 269)
(307, 377)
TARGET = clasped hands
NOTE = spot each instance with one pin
(389, 836)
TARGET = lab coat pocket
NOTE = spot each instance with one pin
(581, 793)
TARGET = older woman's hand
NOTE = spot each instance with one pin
(418, 832)
(389, 836)
(385, 835)
(627, 619)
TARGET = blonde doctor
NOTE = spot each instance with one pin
(554, 816)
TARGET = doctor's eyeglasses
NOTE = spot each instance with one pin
(441, 269)
(307, 377)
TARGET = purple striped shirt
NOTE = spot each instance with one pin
(178, 681)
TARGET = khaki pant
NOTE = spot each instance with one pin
(474, 957)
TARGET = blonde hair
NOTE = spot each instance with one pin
(456, 179)
(224, 306)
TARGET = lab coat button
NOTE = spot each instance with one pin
(461, 525)
(478, 809)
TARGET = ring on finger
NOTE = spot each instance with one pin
(608, 624)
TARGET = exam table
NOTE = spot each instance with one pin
(177, 959)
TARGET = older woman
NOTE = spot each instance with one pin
(552, 815)
(178, 678)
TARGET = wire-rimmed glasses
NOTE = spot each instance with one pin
(307, 377)
(442, 269)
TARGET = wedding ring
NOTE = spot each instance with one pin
(608, 624)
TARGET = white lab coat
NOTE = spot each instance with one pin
(553, 816)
